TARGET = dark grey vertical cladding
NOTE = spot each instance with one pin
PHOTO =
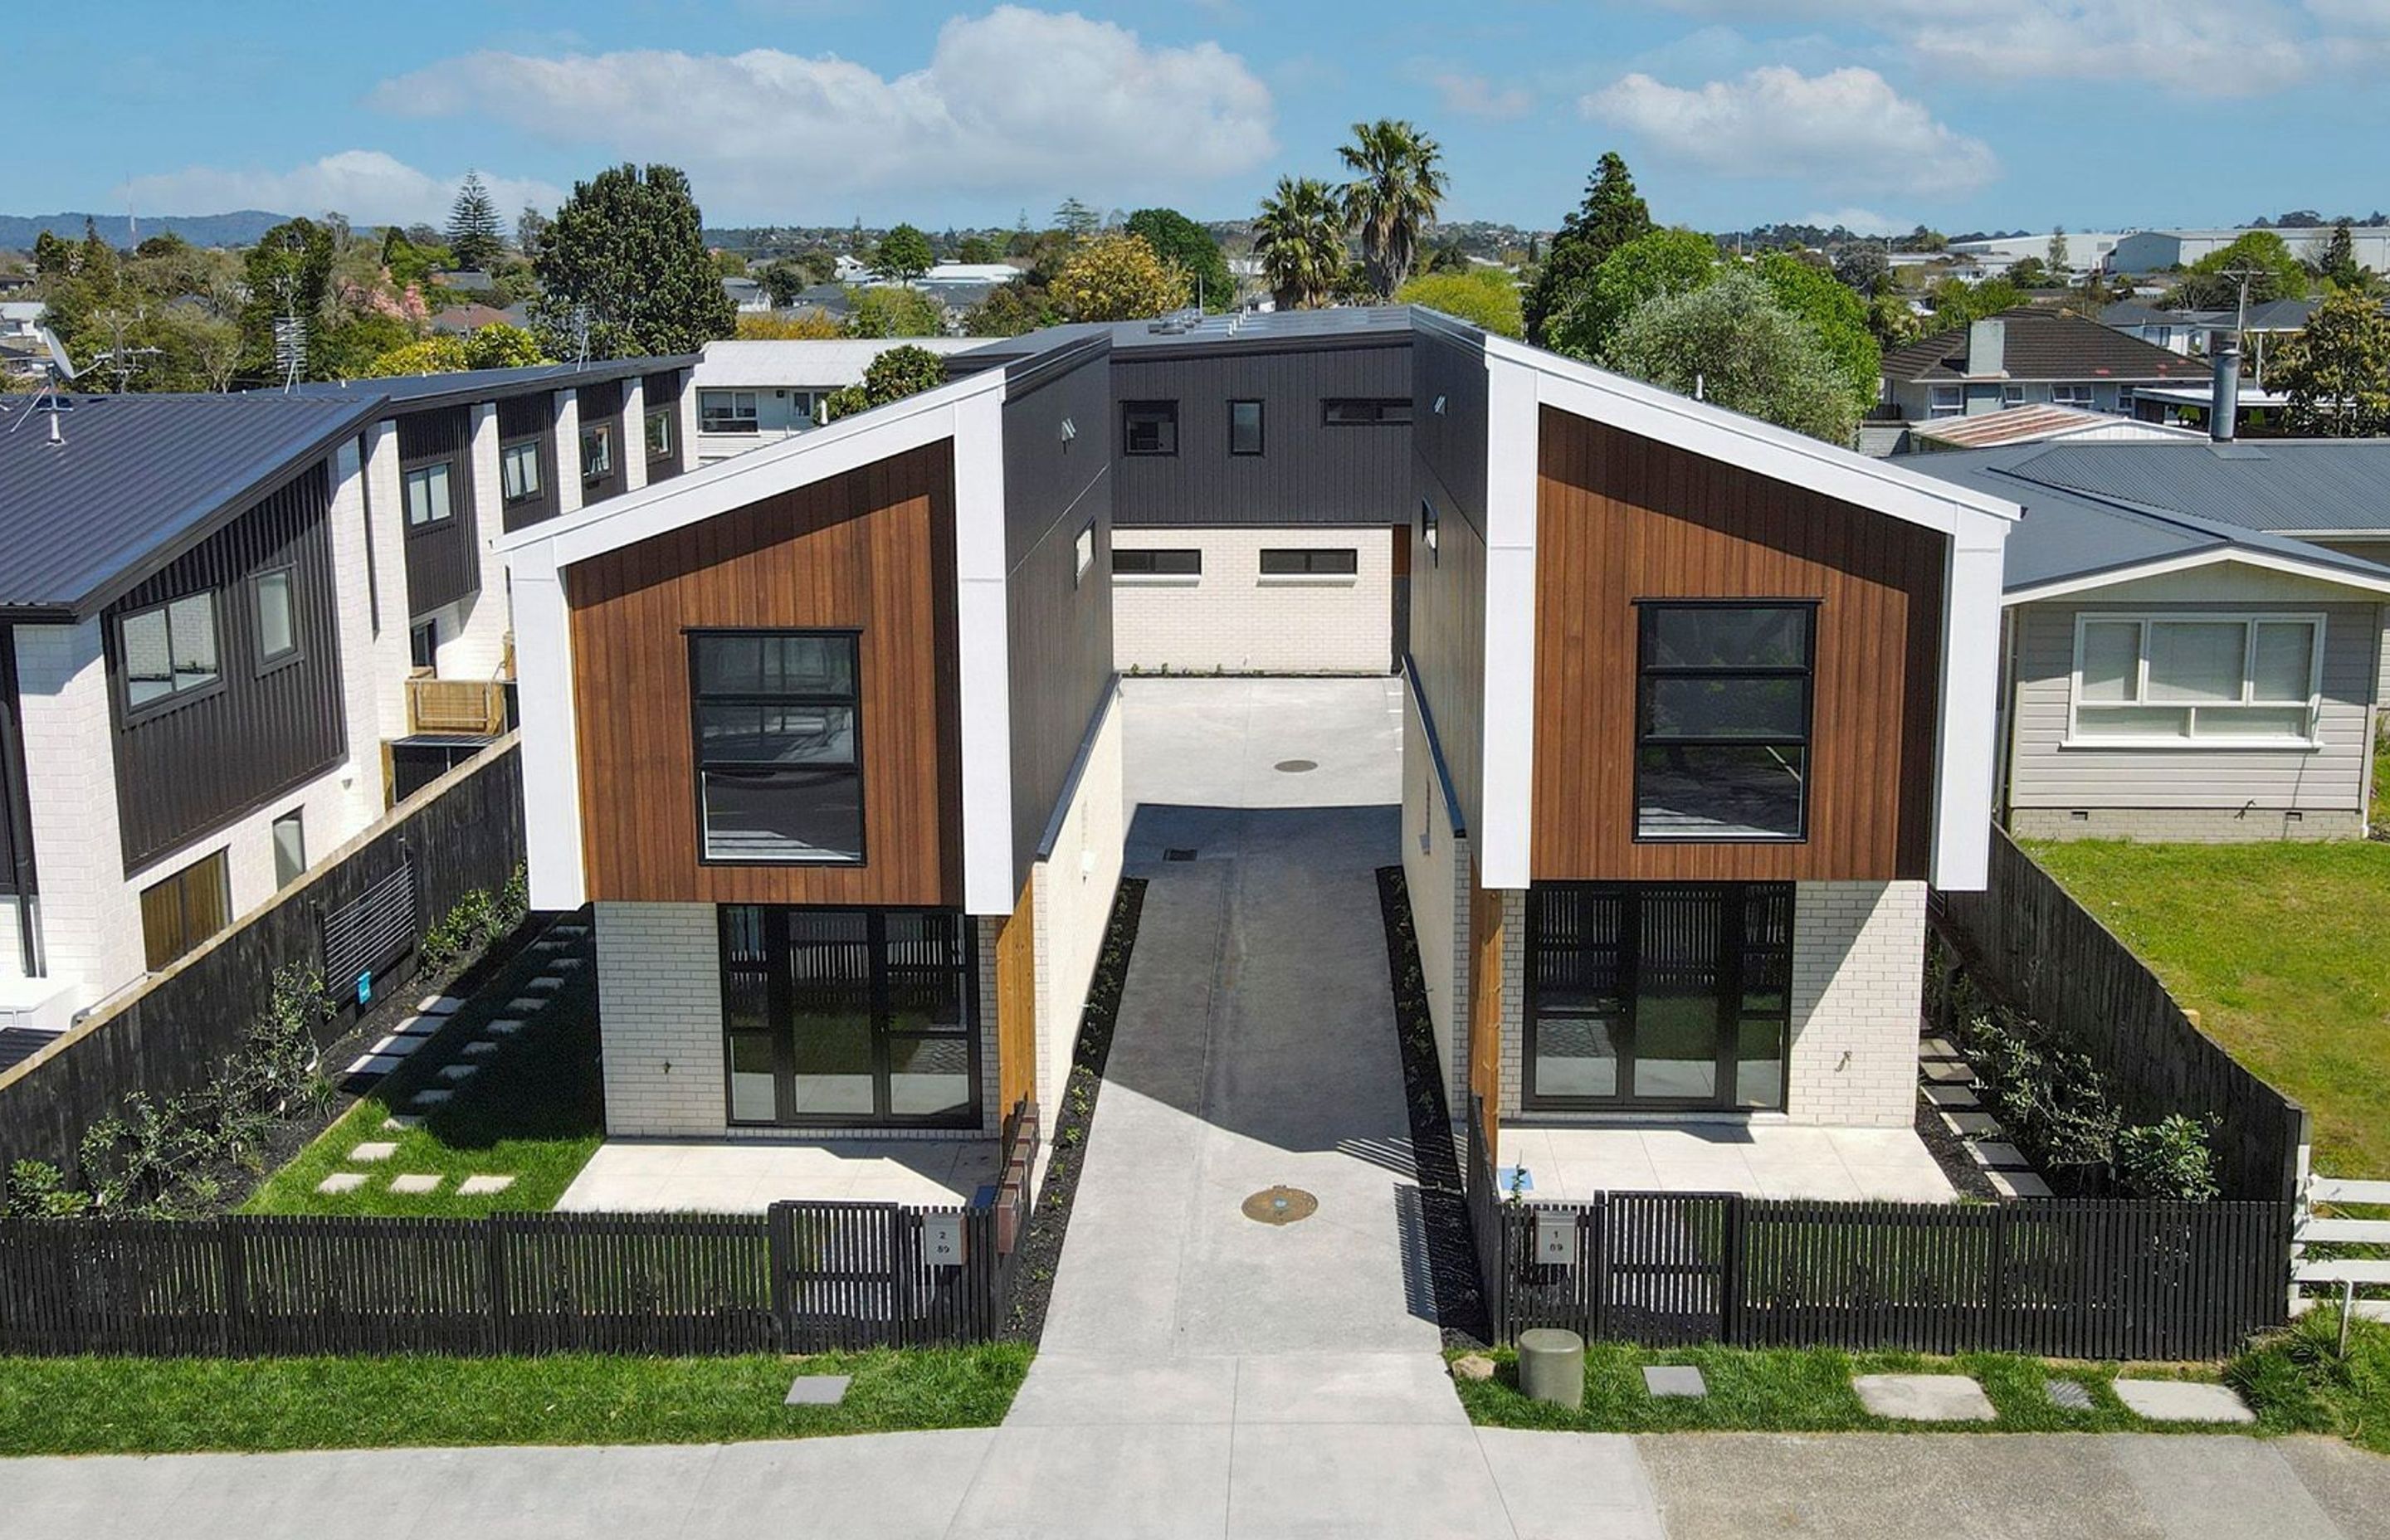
(661, 392)
(16, 815)
(1448, 583)
(1058, 619)
(529, 416)
(601, 401)
(444, 559)
(192, 768)
(1306, 473)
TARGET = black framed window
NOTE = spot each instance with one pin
(1169, 563)
(660, 433)
(430, 495)
(289, 833)
(1365, 412)
(1658, 995)
(727, 412)
(1722, 721)
(274, 594)
(519, 469)
(597, 451)
(423, 647)
(1428, 529)
(836, 1016)
(1339, 562)
(1244, 428)
(1149, 428)
(778, 763)
(168, 651)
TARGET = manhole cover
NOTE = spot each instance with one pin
(1280, 1205)
(1296, 766)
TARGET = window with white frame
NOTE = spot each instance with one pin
(725, 411)
(2072, 395)
(2011, 396)
(1946, 400)
(2165, 679)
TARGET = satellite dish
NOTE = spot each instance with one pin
(60, 364)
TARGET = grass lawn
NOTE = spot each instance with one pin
(2282, 949)
(533, 1112)
(162, 1405)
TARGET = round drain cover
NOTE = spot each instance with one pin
(1296, 766)
(1280, 1205)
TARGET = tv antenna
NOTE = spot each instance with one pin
(58, 371)
(581, 333)
(290, 349)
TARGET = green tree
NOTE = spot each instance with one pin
(1118, 277)
(784, 280)
(1834, 315)
(1075, 220)
(2337, 370)
(625, 253)
(1863, 269)
(2059, 260)
(1020, 307)
(2214, 281)
(1733, 344)
(1397, 188)
(1658, 263)
(886, 310)
(2339, 265)
(903, 254)
(1612, 214)
(977, 251)
(501, 345)
(1300, 238)
(288, 275)
(1190, 248)
(1957, 302)
(1486, 297)
(475, 235)
(789, 326)
(425, 355)
(2029, 272)
(898, 373)
(1893, 323)
(531, 231)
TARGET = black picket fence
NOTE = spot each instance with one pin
(801, 1277)
(2078, 1278)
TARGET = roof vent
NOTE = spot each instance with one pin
(1176, 322)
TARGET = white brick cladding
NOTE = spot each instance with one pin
(660, 1017)
(473, 630)
(392, 659)
(1859, 967)
(90, 925)
(1072, 892)
(2195, 825)
(1435, 872)
(567, 452)
(1233, 620)
(632, 435)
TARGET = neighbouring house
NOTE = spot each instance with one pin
(752, 393)
(2012, 425)
(2194, 646)
(25, 342)
(2186, 331)
(2025, 357)
(828, 733)
(465, 319)
(748, 295)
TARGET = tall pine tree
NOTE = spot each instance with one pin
(625, 263)
(1612, 214)
(475, 235)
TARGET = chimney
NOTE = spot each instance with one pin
(2224, 399)
(1987, 342)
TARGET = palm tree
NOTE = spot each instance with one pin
(1391, 197)
(1300, 235)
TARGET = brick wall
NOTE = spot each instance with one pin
(90, 923)
(1858, 968)
(2204, 826)
(473, 630)
(660, 1009)
(1233, 620)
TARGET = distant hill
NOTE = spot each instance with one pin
(241, 227)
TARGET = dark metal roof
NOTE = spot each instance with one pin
(137, 480)
(2070, 534)
(2282, 485)
(1358, 325)
(2045, 345)
(419, 391)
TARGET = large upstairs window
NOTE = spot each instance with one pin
(169, 651)
(2184, 679)
(779, 772)
(428, 500)
(1722, 721)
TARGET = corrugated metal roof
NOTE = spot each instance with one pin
(137, 480)
(2017, 425)
(419, 391)
(1244, 328)
(2282, 484)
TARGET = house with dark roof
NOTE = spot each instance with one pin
(2025, 358)
(2194, 641)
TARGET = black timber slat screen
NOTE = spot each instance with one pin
(801, 1277)
(2067, 1278)
(371, 930)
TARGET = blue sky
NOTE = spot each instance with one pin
(2023, 113)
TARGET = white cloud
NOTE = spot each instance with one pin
(1858, 222)
(1476, 96)
(1845, 129)
(1015, 103)
(369, 185)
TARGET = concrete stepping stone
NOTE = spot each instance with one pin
(414, 1184)
(1994, 1155)
(342, 1181)
(568, 929)
(396, 1045)
(374, 1150)
(505, 1026)
(1937, 1048)
(477, 1049)
(421, 1026)
(439, 1004)
(2182, 1400)
(1924, 1397)
(2020, 1184)
(456, 1073)
(550, 943)
(1973, 1125)
(374, 1064)
(1951, 1074)
(1947, 1097)
(817, 1390)
(1674, 1379)
(482, 1187)
(526, 1004)
(399, 1123)
(568, 964)
(429, 1099)
(546, 983)
(2068, 1395)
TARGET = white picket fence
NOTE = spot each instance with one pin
(2317, 1281)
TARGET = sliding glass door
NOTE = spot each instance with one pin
(1664, 997)
(836, 1016)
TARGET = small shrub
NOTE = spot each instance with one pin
(37, 1189)
(2167, 1159)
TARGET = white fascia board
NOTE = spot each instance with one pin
(552, 747)
(798, 461)
(982, 635)
(2268, 560)
(1967, 740)
(1507, 776)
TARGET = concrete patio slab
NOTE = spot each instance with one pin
(1387, 1482)
(399, 1123)
(1760, 1159)
(1351, 1387)
(421, 1026)
(2182, 1400)
(1947, 1072)
(546, 983)
(1571, 1486)
(742, 1176)
(2020, 1184)
(1156, 1484)
(1924, 1397)
(1949, 1097)
(1078, 1390)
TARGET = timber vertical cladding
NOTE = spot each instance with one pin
(1622, 518)
(187, 766)
(444, 559)
(870, 551)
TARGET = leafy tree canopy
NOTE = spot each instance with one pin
(1300, 236)
(1397, 185)
(1022, 305)
(1832, 311)
(475, 234)
(793, 326)
(1612, 214)
(1957, 302)
(898, 373)
(977, 249)
(903, 254)
(1486, 297)
(1743, 351)
(2211, 284)
(1118, 277)
(1189, 247)
(1662, 261)
(884, 310)
(625, 253)
(2337, 370)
